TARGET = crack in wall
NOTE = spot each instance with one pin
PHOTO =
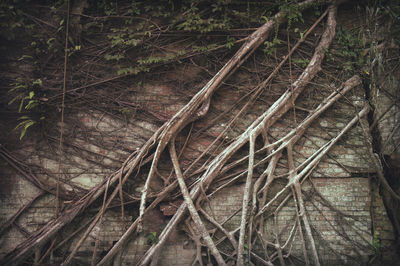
(392, 209)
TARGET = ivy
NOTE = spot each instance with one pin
(193, 22)
(350, 49)
(291, 12)
(270, 46)
(230, 42)
(132, 70)
(203, 49)
(12, 19)
(302, 62)
(160, 59)
(123, 37)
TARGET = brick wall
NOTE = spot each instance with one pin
(338, 210)
(343, 206)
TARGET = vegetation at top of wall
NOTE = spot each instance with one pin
(131, 29)
(134, 41)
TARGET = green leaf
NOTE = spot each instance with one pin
(28, 124)
(25, 57)
(230, 42)
(19, 96)
(25, 125)
(71, 40)
(23, 131)
(21, 105)
(23, 117)
(49, 41)
(37, 82)
(31, 104)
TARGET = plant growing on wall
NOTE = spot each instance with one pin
(116, 48)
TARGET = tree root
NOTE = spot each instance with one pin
(264, 121)
(252, 222)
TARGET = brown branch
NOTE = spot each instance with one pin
(245, 202)
(98, 218)
(302, 214)
(303, 243)
(313, 161)
(189, 111)
(161, 139)
(44, 234)
(192, 209)
(60, 150)
(279, 108)
(10, 221)
(221, 228)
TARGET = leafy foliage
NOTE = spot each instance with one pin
(351, 48)
(270, 46)
(29, 103)
(302, 62)
(131, 38)
(291, 12)
(376, 244)
(12, 19)
(194, 23)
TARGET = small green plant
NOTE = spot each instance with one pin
(246, 259)
(317, 11)
(132, 70)
(329, 55)
(116, 57)
(25, 124)
(108, 7)
(12, 19)
(25, 93)
(270, 47)
(160, 59)
(302, 62)
(376, 244)
(301, 33)
(152, 238)
(230, 42)
(292, 12)
(193, 22)
(350, 49)
(203, 49)
(28, 103)
(125, 111)
(123, 38)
